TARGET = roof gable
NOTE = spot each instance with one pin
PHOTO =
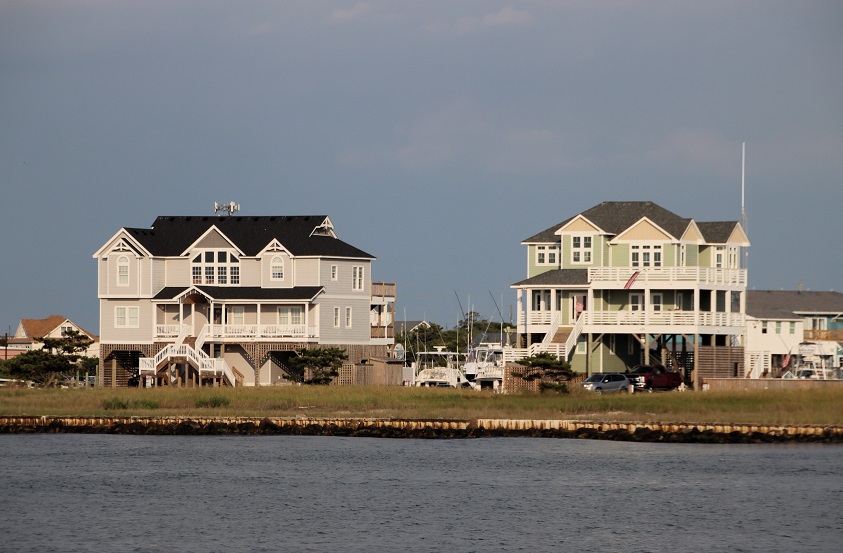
(579, 224)
(122, 241)
(692, 233)
(212, 239)
(644, 230)
(724, 232)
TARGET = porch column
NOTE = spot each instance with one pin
(589, 302)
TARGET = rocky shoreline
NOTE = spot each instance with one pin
(426, 429)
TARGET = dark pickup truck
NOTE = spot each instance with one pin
(654, 377)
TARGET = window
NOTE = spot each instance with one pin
(718, 256)
(537, 300)
(793, 328)
(126, 317)
(333, 272)
(336, 317)
(581, 249)
(646, 255)
(289, 315)
(657, 302)
(215, 267)
(347, 317)
(778, 327)
(277, 268)
(547, 255)
(636, 302)
(123, 271)
(763, 327)
(357, 278)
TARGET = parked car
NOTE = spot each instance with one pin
(608, 382)
(654, 377)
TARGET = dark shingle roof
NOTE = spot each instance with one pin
(170, 236)
(616, 217)
(717, 232)
(558, 277)
(244, 292)
(789, 304)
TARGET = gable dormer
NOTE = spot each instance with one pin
(325, 228)
(581, 241)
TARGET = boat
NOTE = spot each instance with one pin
(485, 366)
(439, 369)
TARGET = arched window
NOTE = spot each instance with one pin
(277, 268)
(122, 271)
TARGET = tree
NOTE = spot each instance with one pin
(315, 366)
(71, 344)
(553, 372)
(39, 366)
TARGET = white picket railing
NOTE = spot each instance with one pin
(702, 275)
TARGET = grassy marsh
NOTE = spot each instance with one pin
(797, 407)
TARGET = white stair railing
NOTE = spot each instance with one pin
(571, 342)
(197, 357)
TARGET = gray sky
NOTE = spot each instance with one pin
(436, 135)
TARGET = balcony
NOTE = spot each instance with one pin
(383, 332)
(260, 331)
(617, 277)
(643, 318)
(820, 335)
(383, 290)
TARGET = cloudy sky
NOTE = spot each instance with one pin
(437, 135)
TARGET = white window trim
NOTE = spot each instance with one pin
(654, 249)
(277, 262)
(357, 275)
(348, 319)
(336, 317)
(547, 251)
(122, 263)
(334, 272)
(582, 250)
(130, 312)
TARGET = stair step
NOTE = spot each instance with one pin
(561, 336)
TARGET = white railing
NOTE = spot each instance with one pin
(170, 330)
(703, 275)
(218, 331)
(571, 342)
(554, 326)
(666, 318)
(759, 363)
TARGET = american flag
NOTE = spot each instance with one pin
(631, 280)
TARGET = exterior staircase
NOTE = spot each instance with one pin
(196, 357)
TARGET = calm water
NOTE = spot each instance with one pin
(100, 493)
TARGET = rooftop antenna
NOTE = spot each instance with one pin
(229, 208)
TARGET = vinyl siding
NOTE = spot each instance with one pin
(110, 334)
(307, 272)
(360, 333)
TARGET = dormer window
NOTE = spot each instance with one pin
(122, 271)
(215, 267)
(277, 268)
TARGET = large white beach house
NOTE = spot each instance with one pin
(226, 300)
(624, 283)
